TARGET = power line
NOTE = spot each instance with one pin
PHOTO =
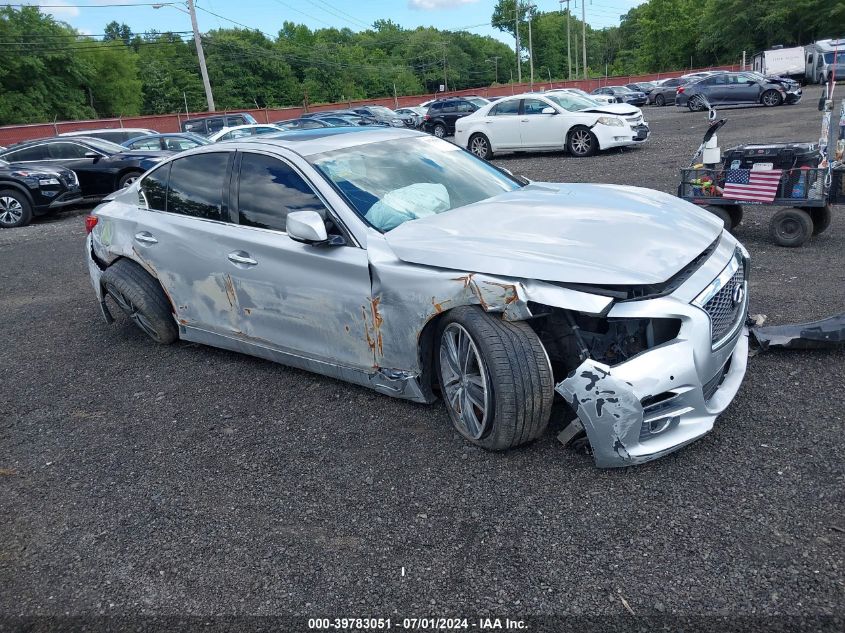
(92, 6)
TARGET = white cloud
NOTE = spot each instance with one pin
(63, 11)
(433, 5)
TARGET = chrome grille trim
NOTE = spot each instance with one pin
(717, 301)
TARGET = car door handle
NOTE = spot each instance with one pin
(242, 258)
(146, 237)
(524, 120)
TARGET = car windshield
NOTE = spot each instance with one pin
(620, 90)
(382, 111)
(840, 58)
(478, 101)
(392, 182)
(572, 102)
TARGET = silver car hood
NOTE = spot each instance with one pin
(578, 233)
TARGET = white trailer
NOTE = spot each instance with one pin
(780, 62)
(818, 60)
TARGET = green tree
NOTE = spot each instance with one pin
(42, 72)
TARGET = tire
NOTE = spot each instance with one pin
(509, 369)
(660, 100)
(480, 146)
(696, 104)
(771, 98)
(581, 142)
(440, 130)
(15, 209)
(791, 227)
(142, 299)
(821, 217)
(735, 211)
(723, 214)
(128, 178)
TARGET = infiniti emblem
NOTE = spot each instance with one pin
(737, 295)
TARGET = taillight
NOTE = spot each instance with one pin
(427, 117)
(90, 223)
(679, 90)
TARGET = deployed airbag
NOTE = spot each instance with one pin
(408, 203)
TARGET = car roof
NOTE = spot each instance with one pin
(106, 129)
(317, 141)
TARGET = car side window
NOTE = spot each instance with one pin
(534, 106)
(435, 107)
(269, 189)
(39, 152)
(68, 150)
(216, 124)
(196, 185)
(506, 108)
(152, 143)
(174, 144)
(153, 188)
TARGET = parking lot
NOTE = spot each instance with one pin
(188, 480)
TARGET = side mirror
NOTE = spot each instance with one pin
(307, 227)
(93, 155)
(548, 110)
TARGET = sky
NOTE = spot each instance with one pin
(91, 16)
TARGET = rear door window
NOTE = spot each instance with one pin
(152, 143)
(196, 185)
(153, 191)
(269, 189)
(26, 154)
(507, 108)
(216, 124)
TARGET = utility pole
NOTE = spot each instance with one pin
(198, 41)
(445, 78)
(203, 70)
(584, 33)
(518, 60)
(568, 47)
(495, 59)
(530, 8)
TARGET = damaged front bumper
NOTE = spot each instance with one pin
(658, 401)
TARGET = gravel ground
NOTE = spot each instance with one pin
(184, 480)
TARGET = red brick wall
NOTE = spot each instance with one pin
(172, 122)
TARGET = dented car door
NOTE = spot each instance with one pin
(305, 299)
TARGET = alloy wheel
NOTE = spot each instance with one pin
(581, 142)
(132, 312)
(11, 210)
(479, 146)
(439, 131)
(771, 98)
(464, 381)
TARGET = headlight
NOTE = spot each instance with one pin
(609, 120)
(48, 181)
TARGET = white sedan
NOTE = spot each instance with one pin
(550, 122)
(241, 131)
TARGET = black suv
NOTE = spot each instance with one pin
(27, 191)
(441, 116)
(208, 125)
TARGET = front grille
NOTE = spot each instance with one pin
(723, 308)
(715, 382)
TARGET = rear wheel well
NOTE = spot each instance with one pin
(426, 345)
(147, 270)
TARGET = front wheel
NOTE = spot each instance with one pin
(660, 100)
(771, 98)
(581, 142)
(480, 146)
(15, 209)
(440, 130)
(495, 378)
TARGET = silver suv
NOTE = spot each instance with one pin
(398, 261)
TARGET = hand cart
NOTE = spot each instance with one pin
(801, 192)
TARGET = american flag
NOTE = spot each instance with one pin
(757, 185)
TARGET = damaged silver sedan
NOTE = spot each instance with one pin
(401, 262)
